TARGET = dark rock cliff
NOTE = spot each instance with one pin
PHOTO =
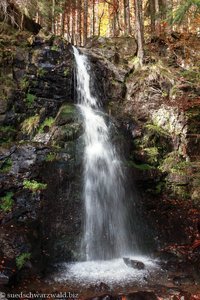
(157, 107)
(40, 157)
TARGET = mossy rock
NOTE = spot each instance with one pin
(7, 87)
(66, 115)
(195, 196)
(68, 132)
(3, 106)
(179, 191)
(7, 134)
(193, 115)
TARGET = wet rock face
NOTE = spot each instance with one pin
(40, 160)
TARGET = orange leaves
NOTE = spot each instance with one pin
(196, 244)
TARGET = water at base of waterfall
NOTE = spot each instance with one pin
(112, 272)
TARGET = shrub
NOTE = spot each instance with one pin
(30, 125)
(33, 185)
(50, 157)
(7, 202)
(30, 98)
(22, 259)
(24, 83)
(41, 72)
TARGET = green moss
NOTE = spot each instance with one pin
(181, 192)
(41, 72)
(7, 134)
(174, 163)
(6, 166)
(152, 153)
(193, 115)
(192, 75)
(156, 130)
(7, 129)
(22, 259)
(30, 98)
(33, 185)
(181, 167)
(30, 125)
(7, 85)
(7, 202)
(66, 72)
(54, 48)
(24, 83)
(68, 109)
(142, 167)
(48, 122)
(159, 187)
(50, 157)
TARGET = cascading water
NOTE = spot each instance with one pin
(105, 232)
(107, 237)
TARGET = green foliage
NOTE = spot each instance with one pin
(7, 134)
(174, 163)
(24, 83)
(7, 129)
(142, 167)
(183, 9)
(22, 259)
(48, 122)
(55, 48)
(159, 187)
(68, 109)
(66, 72)
(33, 185)
(152, 153)
(7, 202)
(181, 167)
(181, 191)
(50, 157)
(192, 75)
(41, 72)
(30, 98)
(156, 129)
(30, 125)
(6, 166)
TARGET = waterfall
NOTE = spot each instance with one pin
(105, 231)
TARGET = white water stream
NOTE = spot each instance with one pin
(106, 237)
(105, 234)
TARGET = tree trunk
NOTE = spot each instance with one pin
(63, 18)
(85, 22)
(127, 27)
(139, 30)
(93, 18)
(152, 6)
(53, 17)
(158, 29)
(79, 21)
(73, 14)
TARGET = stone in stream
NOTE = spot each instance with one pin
(183, 280)
(3, 279)
(102, 297)
(136, 264)
(141, 296)
(102, 287)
